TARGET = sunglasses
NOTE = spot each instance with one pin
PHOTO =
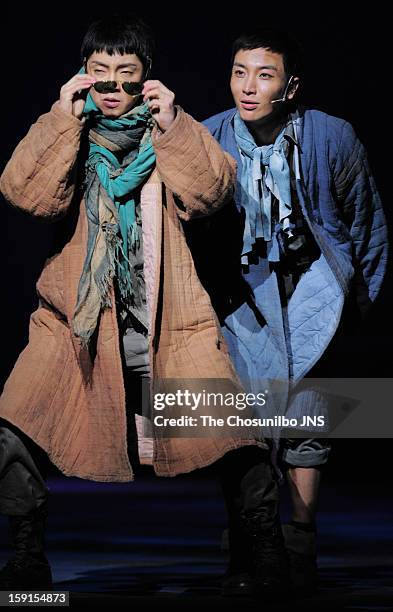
(131, 88)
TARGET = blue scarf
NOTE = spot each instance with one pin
(258, 187)
(121, 157)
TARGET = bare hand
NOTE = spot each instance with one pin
(74, 93)
(160, 101)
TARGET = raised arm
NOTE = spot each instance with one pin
(192, 164)
(41, 174)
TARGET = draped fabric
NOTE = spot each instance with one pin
(265, 175)
(121, 158)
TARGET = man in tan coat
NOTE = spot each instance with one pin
(119, 167)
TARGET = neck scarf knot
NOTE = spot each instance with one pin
(265, 173)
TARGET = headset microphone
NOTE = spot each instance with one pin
(284, 98)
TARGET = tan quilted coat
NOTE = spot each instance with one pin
(71, 403)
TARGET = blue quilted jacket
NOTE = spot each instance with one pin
(340, 202)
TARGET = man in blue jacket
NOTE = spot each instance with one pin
(305, 232)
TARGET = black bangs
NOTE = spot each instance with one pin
(119, 34)
(277, 41)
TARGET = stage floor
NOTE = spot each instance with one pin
(156, 542)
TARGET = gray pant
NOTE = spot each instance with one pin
(23, 470)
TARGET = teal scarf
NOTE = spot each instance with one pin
(121, 157)
(259, 187)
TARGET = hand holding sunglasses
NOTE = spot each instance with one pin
(160, 101)
(73, 94)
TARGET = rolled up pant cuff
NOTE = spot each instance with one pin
(305, 459)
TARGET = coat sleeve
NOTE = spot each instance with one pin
(364, 216)
(41, 174)
(193, 166)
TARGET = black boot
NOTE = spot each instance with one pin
(238, 580)
(29, 568)
(257, 557)
(269, 557)
(300, 542)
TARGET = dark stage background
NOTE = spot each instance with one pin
(347, 75)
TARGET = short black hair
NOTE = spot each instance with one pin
(276, 41)
(119, 34)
